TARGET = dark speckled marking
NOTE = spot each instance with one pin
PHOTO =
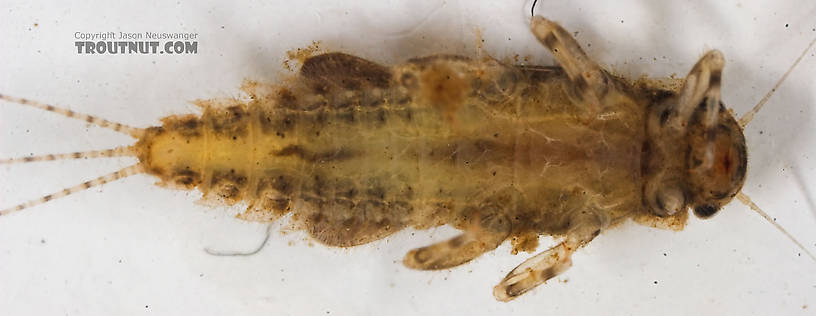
(282, 184)
(318, 185)
(287, 99)
(186, 177)
(325, 156)
(275, 192)
(189, 126)
(230, 121)
(277, 122)
(228, 183)
(349, 192)
(715, 79)
(376, 192)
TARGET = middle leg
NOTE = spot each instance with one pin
(589, 81)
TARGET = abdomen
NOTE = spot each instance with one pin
(424, 144)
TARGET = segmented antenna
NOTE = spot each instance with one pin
(115, 152)
(749, 116)
(118, 127)
(742, 197)
(121, 173)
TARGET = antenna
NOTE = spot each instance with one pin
(742, 197)
(749, 116)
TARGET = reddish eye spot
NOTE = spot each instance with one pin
(726, 163)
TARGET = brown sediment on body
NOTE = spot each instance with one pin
(443, 88)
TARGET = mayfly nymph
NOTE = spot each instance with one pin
(357, 151)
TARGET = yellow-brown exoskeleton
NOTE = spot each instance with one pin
(358, 151)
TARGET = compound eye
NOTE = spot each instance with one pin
(705, 211)
(670, 201)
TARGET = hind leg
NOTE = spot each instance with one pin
(484, 234)
(588, 80)
(552, 262)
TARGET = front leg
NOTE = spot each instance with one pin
(546, 265)
(589, 81)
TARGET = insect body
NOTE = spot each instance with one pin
(357, 151)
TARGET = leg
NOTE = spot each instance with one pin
(589, 80)
(484, 234)
(551, 262)
(702, 85)
(700, 98)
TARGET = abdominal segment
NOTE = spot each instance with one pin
(358, 151)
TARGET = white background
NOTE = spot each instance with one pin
(133, 248)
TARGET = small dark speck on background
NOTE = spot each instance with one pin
(786, 24)
(664, 254)
(42, 241)
(655, 282)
